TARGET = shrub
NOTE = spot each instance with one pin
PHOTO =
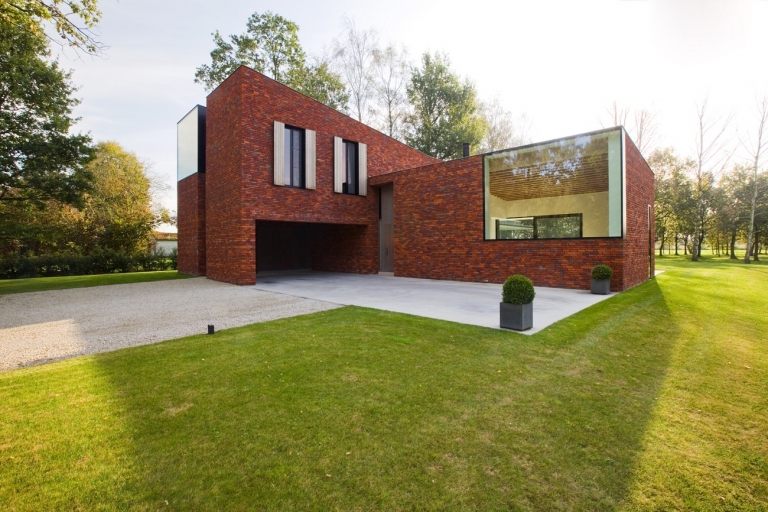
(101, 261)
(601, 272)
(518, 289)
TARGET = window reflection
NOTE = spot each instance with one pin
(569, 188)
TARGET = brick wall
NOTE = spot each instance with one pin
(240, 117)
(638, 262)
(439, 230)
(229, 236)
(191, 224)
(438, 206)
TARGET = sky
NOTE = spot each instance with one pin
(561, 63)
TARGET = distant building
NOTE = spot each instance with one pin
(164, 243)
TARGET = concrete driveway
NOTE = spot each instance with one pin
(457, 301)
(42, 326)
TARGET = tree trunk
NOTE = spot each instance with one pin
(756, 166)
(677, 251)
(699, 244)
(733, 245)
(695, 248)
(685, 245)
(756, 243)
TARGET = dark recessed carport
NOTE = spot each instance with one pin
(308, 246)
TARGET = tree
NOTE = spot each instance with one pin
(760, 146)
(356, 55)
(617, 114)
(643, 128)
(673, 209)
(445, 110)
(63, 15)
(732, 210)
(391, 77)
(39, 159)
(319, 82)
(709, 149)
(118, 210)
(503, 129)
(270, 45)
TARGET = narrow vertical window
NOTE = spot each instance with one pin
(351, 184)
(294, 157)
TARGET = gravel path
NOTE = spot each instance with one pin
(42, 326)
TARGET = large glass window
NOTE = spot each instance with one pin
(351, 184)
(294, 157)
(569, 188)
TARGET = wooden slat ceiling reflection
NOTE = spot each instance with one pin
(580, 175)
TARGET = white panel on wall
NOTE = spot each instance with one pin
(362, 167)
(338, 165)
(279, 150)
(311, 158)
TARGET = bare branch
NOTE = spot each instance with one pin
(355, 56)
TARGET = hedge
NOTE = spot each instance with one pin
(99, 262)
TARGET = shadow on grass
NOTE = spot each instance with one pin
(363, 409)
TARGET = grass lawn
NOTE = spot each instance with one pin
(39, 284)
(656, 399)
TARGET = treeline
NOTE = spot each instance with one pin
(424, 104)
(725, 201)
(710, 199)
(67, 205)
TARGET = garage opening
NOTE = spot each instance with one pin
(282, 246)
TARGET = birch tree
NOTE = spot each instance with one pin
(644, 130)
(391, 78)
(355, 54)
(760, 146)
(504, 130)
(710, 139)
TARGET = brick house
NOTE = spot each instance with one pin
(270, 179)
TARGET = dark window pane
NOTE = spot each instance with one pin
(559, 226)
(294, 157)
(287, 156)
(351, 178)
(514, 229)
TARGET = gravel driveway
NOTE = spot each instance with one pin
(43, 326)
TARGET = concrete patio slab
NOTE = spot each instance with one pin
(456, 301)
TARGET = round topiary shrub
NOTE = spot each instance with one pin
(601, 272)
(518, 289)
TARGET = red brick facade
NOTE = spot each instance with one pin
(250, 223)
(239, 188)
(439, 234)
(191, 224)
(641, 232)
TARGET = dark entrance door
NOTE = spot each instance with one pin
(386, 253)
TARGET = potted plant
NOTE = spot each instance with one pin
(601, 279)
(516, 308)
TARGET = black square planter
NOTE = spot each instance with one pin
(516, 316)
(601, 286)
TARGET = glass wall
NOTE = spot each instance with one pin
(569, 188)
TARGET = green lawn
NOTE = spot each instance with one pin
(39, 284)
(656, 399)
